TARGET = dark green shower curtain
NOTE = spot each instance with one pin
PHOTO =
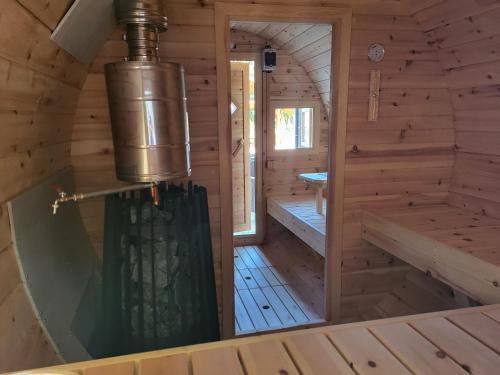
(158, 278)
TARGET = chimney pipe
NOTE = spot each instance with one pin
(147, 100)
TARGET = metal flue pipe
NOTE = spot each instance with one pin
(147, 100)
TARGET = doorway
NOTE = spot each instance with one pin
(244, 147)
(279, 282)
(335, 95)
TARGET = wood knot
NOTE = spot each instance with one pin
(372, 364)
(440, 354)
(283, 372)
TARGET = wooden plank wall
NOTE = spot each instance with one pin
(404, 158)
(466, 34)
(39, 89)
(291, 82)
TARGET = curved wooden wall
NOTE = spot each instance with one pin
(467, 36)
(39, 89)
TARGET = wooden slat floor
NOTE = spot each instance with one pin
(459, 342)
(298, 214)
(266, 295)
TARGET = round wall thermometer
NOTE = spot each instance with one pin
(376, 52)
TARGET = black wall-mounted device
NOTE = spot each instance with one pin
(268, 59)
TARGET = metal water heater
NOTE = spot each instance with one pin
(147, 100)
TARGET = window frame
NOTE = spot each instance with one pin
(316, 128)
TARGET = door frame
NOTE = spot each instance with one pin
(245, 148)
(340, 19)
(260, 94)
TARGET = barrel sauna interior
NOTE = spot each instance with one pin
(435, 142)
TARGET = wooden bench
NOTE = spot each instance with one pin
(298, 214)
(459, 342)
(455, 246)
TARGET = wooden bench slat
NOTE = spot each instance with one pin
(472, 355)
(266, 357)
(366, 354)
(482, 327)
(315, 355)
(419, 354)
(170, 365)
(493, 314)
(126, 368)
(216, 361)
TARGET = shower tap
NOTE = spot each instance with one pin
(63, 197)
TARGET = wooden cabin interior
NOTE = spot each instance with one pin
(334, 199)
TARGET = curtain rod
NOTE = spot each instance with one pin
(64, 197)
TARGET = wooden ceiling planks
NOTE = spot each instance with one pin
(309, 44)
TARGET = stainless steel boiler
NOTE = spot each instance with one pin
(147, 100)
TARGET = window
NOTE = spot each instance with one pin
(294, 127)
